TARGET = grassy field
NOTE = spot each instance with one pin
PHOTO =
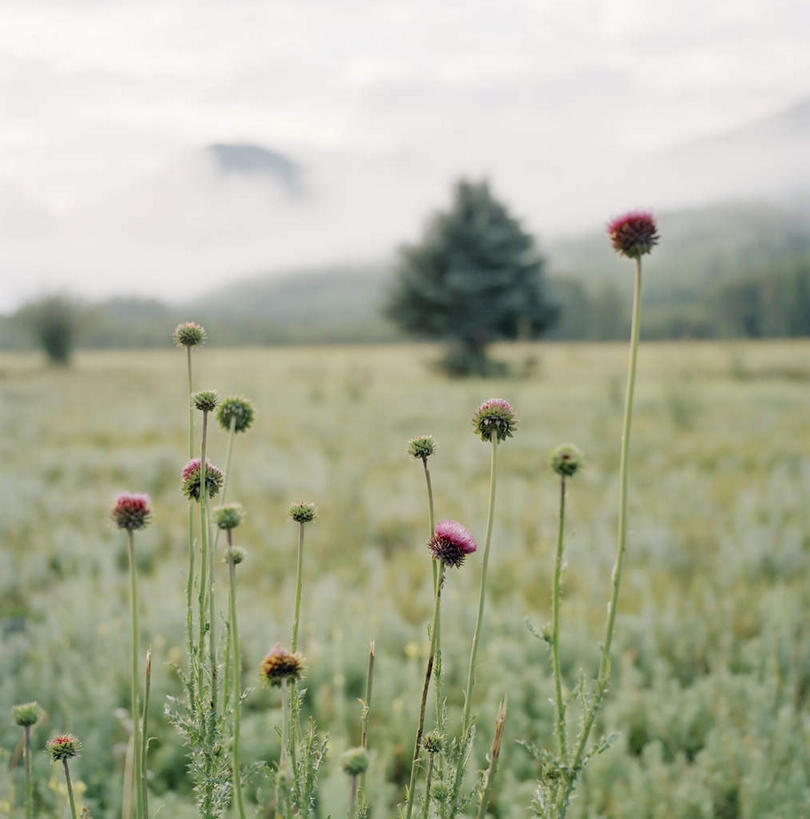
(712, 654)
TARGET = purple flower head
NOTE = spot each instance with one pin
(495, 417)
(633, 234)
(131, 511)
(451, 543)
(281, 665)
(190, 477)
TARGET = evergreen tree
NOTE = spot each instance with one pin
(475, 277)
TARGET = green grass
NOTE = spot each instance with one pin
(712, 652)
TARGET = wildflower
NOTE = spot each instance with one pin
(280, 665)
(64, 746)
(26, 714)
(237, 555)
(566, 460)
(434, 742)
(497, 417)
(422, 447)
(189, 334)
(131, 511)
(354, 761)
(303, 512)
(191, 479)
(633, 234)
(229, 516)
(237, 410)
(205, 400)
(451, 543)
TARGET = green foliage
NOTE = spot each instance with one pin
(475, 277)
(54, 323)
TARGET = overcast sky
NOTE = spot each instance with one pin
(95, 94)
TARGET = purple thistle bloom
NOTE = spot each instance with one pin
(495, 417)
(191, 479)
(633, 234)
(451, 543)
(131, 511)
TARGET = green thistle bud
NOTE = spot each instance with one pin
(422, 447)
(237, 555)
(434, 742)
(354, 761)
(205, 400)
(495, 417)
(190, 479)
(64, 746)
(189, 334)
(229, 516)
(566, 460)
(26, 714)
(303, 512)
(237, 410)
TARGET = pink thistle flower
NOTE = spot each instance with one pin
(131, 511)
(280, 665)
(190, 477)
(495, 417)
(633, 234)
(451, 543)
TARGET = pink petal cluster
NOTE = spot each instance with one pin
(633, 234)
(131, 510)
(451, 543)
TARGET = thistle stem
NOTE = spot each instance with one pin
(555, 629)
(352, 797)
(29, 794)
(203, 551)
(299, 584)
(136, 739)
(604, 662)
(428, 780)
(494, 753)
(236, 668)
(191, 544)
(212, 643)
(428, 671)
(144, 734)
(437, 676)
(69, 789)
(465, 720)
(364, 715)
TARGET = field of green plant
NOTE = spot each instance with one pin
(711, 660)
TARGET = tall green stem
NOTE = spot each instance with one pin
(299, 584)
(428, 781)
(212, 642)
(136, 739)
(145, 734)
(428, 671)
(555, 629)
(203, 498)
(604, 662)
(29, 784)
(494, 753)
(465, 720)
(437, 674)
(364, 716)
(69, 790)
(236, 668)
(191, 545)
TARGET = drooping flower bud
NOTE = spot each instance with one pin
(64, 746)
(566, 460)
(303, 512)
(26, 714)
(451, 543)
(131, 511)
(190, 477)
(205, 400)
(354, 761)
(189, 334)
(633, 234)
(281, 665)
(229, 516)
(237, 410)
(495, 417)
(422, 447)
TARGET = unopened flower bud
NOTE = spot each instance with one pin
(422, 447)
(354, 761)
(434, 742)
(205, 400)
(303, 512)
(495, 417)
(189, 334)
(229, 516)
(64, 746)
(237, 411)
(566, 460)
(26, 714)
(237, 555)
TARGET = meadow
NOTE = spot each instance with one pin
(711, 676)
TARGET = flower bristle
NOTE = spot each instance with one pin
(451, 543)
(633, 234)
(131, 511)
(495, 417)
(190, 479)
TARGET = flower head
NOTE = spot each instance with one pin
(64, 746)
(303, 512)
(26, 714)
(205, 400)
(237, 410)
(422, 447)
(633, 234)
(229, 516)
(566, 460)
(236, 555)
(280, 665)
(495, 417)
(189, 334)
(451, 543)
(131, 511)
(190, 477)
(354, 761)
(433, 742)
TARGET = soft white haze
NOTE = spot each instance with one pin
(573, 110)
